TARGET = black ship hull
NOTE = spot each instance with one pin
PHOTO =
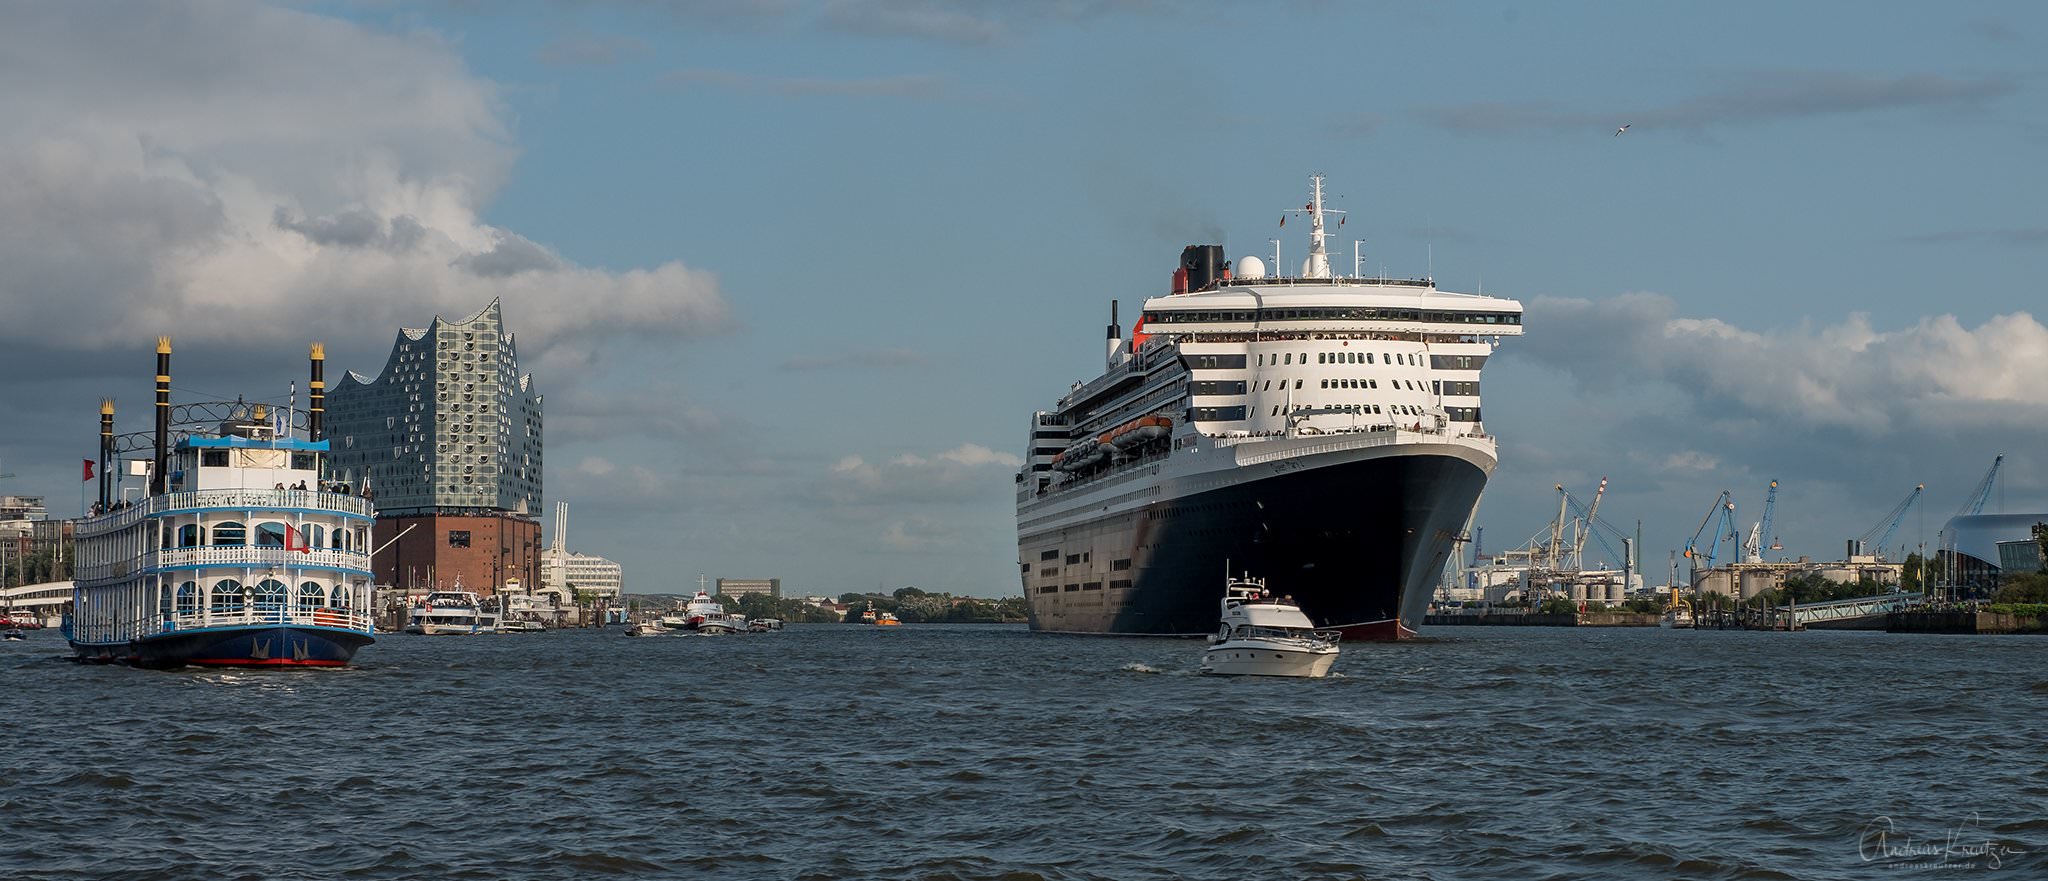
(1360, 546)
(259, 646)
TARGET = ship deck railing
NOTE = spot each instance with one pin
(210, 617)
(224, 556)
(229, 499)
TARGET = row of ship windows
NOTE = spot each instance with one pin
(1119, 584)
(1235, 414)
(1237, 362)
(1410, 359)
(229, 596)
(1083, 557)
(1178, 316)
(221, 459)
(269, 534)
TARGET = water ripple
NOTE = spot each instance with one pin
(989, 754)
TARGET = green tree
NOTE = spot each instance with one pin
(1909, 579)
(2026, 587)
(907, 592)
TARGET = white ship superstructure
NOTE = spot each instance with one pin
(1323, 429)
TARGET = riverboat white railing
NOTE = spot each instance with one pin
(245, 614)
(265, 556)
(262, 614)
(231, 499)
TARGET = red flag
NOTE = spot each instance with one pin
(1340, 220)
(1283, 220)
(88, 470)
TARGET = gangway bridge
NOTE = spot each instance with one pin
(1845, 612)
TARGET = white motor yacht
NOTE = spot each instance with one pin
(444, 612)
(1262, 635)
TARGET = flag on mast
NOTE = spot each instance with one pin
(88, 470)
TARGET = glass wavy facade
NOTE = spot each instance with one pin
(449, 425)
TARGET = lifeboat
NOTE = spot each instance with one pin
(1080, 455)
(1140, 431)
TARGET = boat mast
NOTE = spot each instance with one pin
(1318, 258)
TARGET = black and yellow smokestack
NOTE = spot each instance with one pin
(106, 449)
(316, 407)
(163, 415)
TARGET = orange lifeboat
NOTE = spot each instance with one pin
(1139, 431)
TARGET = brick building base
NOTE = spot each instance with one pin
(484, 550)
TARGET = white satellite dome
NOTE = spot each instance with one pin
(1251, 267)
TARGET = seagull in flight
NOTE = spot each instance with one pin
(1617, 132)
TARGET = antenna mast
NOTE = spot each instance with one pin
(1318, 256)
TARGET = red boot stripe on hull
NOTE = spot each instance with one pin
(1388, 630)
(264, 662)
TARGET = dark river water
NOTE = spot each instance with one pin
(830, 752)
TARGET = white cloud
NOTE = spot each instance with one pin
(1848, 414)
(963, 473)
(1690, 460)
(227, 171)
(596, 466)
(973, 455)
(1846, 376)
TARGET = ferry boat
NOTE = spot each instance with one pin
(887, 619)
(1265, 635)
(454, 612)
(1321, 428)
(239, 554)
(702, 609)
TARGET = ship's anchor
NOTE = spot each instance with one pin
(260, 651)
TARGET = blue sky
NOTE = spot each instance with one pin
(795, 273)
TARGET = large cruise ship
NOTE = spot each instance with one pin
(1320, 431)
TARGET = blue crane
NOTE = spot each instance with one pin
(1725, 507)
(1890, 524)
(1974, 505)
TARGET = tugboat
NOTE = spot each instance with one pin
(1262, 635)
(240, 553)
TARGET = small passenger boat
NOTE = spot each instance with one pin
(1264, 635)
(451, 612)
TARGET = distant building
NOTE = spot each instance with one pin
(1973, 549)
(587, 572)
(448, 440)
(732, 587)
(2018, 557)
(22, 509)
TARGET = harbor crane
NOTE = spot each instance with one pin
(1579, 540)
(1753, 549)
(1890, 524)
(1724, 506)
(1974, 505)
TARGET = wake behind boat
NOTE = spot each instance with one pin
(240, 553)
